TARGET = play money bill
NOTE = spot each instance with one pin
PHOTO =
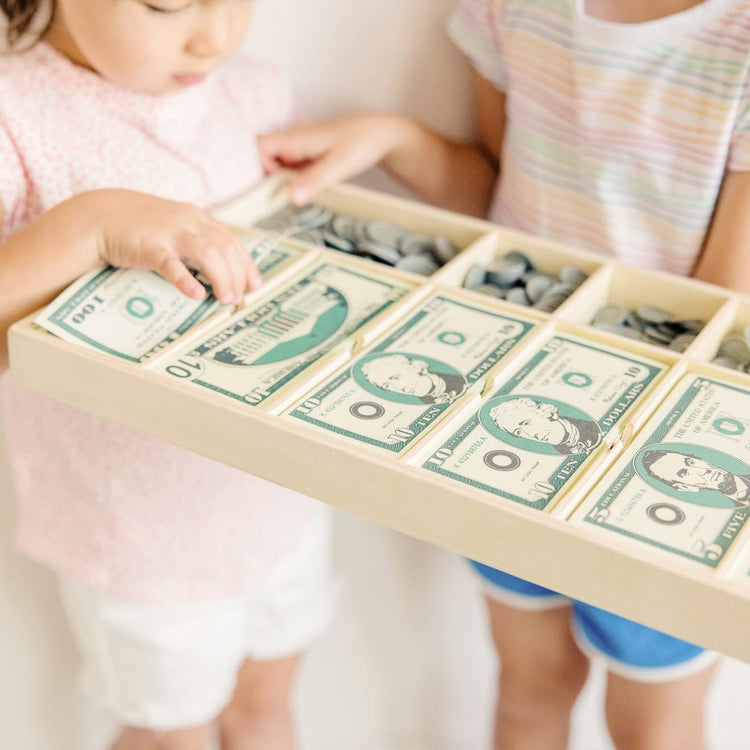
(258, 351)
(528, 440)
(685, 486)
(123, 312)
(130, 313)
(396, 391)
(272, 254)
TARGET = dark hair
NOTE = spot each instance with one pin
(654, 455)
(21, 14)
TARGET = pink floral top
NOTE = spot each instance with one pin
(120, 511)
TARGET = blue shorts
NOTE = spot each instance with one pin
(630, 650)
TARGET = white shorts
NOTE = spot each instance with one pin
(174, 667)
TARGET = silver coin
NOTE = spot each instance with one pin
(550, 300)
(312, 217)
(490, 290)
(562, 288)
(312, 236)
(537, 284)
(653, 315)
(632, 320)
(444, 250)
(736, 348)
(337, 242)
(344, 227)
(419, 264)
(655, 335)
(360, 230)
(726, 362)
(505, 273)
(572, 275)
(384, 233)
(475, 276)
(517, 295)
(681, 342)
(628, 333)
(415, 244)
(384, 253)
(611, 315)
(693, 326)
(516, 256)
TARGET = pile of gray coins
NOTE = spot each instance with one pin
(377, 240)
(650, 324)
(734, 351)
(515, 278)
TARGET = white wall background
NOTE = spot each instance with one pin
(408, 664)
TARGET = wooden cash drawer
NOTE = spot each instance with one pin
(549, 542)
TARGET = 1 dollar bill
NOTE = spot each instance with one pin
(393, 393)
(529, 439)
(685, 487)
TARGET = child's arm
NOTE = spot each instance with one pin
(726, 256)
(449, 173)
(121, 228)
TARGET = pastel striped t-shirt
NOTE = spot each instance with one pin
(618, 135)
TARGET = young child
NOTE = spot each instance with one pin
(622, 127)
(192, 588)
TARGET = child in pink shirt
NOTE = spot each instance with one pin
(192, 588)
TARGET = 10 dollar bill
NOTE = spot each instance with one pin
(259, 350)
(394, 393)
(530, 438)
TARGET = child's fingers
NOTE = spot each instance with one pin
(294, 146)
(175, 272)
(332, 168)
(253, 279)
(219, 243)
(245, 273)
(208, 255)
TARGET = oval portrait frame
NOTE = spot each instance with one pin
(707, 498)
(434, 365)
(535, 446)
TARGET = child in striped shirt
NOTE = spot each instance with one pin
(618, 127)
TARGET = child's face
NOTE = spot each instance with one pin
(152, 46)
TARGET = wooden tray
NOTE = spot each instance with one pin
(709, 605)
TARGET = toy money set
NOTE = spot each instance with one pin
(539, 408)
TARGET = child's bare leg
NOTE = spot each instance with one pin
(195, 738)
(259, 716)
(542, 671)
(658, 716)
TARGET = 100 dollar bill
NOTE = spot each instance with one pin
(131, 313)
(258, 351)
(528, 440)
(123, 312)
(685, 488)
(392, 394)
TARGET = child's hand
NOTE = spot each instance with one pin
(329, 151)
(139, 231)
(453, 174)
